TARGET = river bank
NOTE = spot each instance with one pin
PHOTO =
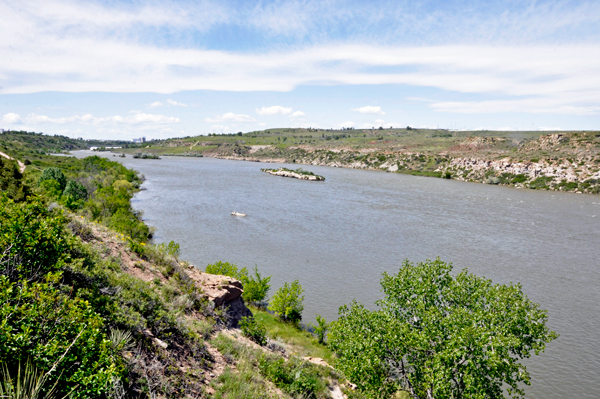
(564, 161)
(578, 171)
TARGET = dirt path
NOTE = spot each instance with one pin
(21, 164)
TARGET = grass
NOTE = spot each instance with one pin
(293, 375)
(301, 342)
(244, 384)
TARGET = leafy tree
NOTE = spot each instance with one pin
(75, 190)
(11, 180)
(440, 336)
(54, 174)
(321, 328)
(256, 287)
(287, 303)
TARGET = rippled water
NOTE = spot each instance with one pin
(338, 236)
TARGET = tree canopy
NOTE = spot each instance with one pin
(436, 335)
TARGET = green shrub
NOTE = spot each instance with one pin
(295, 377)
(55, 174)
(253, 330)
(256, 287)
(75, 190)
(321, 328)
(11, 180)
(287, 303)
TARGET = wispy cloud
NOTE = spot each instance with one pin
(274, 110)
(138, 118)
(231, 117)
(297, 114)
(369, 109)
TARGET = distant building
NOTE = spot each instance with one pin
(140, 140)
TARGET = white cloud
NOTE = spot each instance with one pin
(222, 128)
(175, 103)
(262, 124)
(11, 118)
(538, 105)
(297, 114)
(379, 122)
(84, 46)
(230, 116)
(369, 110)
(274, 110)
(347, 124)
(139, 118)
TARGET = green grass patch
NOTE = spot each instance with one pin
(302, 342)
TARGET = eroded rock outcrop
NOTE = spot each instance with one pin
(223, 291)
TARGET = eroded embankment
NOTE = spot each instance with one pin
(553, 162)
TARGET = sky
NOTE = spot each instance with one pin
(126, 69)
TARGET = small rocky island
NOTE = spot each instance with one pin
(296, 174)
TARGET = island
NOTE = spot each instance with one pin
(296, 174)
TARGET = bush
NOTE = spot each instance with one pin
(321, 328)
(253, 330)
(11, 180)
(287, 303)
(75, 190)
(54, 174)
(294, 376)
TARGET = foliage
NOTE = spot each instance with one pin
(40, 319)
(295, 377)
(11, 180)
(75, 190)
(437, 335)
(55, 174)
(321, 328)
(28, 382)
(227, 269)
(256, 287)
(287, 303)
(32, 241)
(253, 330)
(296, 339)
(172, 248)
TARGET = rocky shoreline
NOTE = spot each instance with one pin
(576, 169)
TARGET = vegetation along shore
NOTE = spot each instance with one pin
(92, 309)
(563, 161)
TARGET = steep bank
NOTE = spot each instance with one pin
(562, 162)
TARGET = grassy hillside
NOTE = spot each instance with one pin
(83, 293)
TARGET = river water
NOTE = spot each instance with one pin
(337, 237)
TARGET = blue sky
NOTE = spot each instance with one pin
(116, 69)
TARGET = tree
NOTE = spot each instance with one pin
(287, 303)
(320, 329)
(440, 336)
(54, 174)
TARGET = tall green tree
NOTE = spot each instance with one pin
(436, 335)
(288, 302)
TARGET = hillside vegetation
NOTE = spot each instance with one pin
(90, 308)
(564, 161)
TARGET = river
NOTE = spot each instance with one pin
(337, 237)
